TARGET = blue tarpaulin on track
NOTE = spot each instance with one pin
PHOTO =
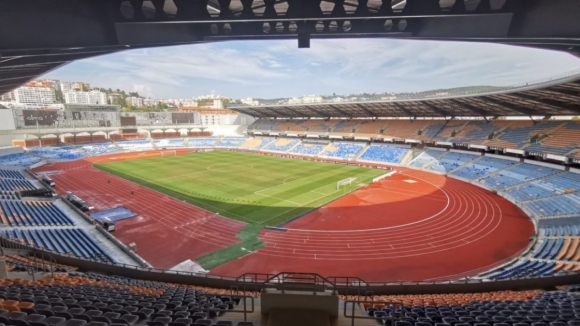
(113, 214)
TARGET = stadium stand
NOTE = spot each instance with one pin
(169, 143)
(280, 145)
(16, 185)
(451, 161)
(231, 142)
(426, 157)
(11, 174)
(558, 184)
(516, 174)
(385, 154)
(475, 132)
(370, 128)
(344, 127)
(27, 213)
(132, 145)
(449, 129)
(565, 205)
(482, 167)
(93, 149)
(201, 141)
(343, 150)
(308, 148)
(517, 134)
(63, 241)
(257, 143)
(60, 153)
(560, 142)
(20, 159)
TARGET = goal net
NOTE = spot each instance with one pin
(344, 183)
(168, 153)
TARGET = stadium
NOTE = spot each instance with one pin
(454, 209)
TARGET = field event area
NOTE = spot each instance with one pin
(251, 188)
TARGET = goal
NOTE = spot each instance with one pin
(344, 183)
(168, 153)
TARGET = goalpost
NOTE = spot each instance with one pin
(344, 183)
(168, 153)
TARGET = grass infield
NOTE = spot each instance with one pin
(257, 189)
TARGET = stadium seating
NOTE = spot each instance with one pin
(60, 153)
(385, 153)
(519, 133)
(201, 141)
(560, 142)
(256, 143)
(169, 143)
(451, 161)
(343, 150)
(448, 130)
(426, 157)
(133, 145)
(63, 241)
(27, 213)
(231, 142)
(93, 149)
(11, 174)
(311, 149)
(475, 132)
(558, 184)
(482, 167)
(19, 159)
(344, 127)
(565, 205)
(281, 145)
(516, 174)
(15, 185)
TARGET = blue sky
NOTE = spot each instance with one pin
(271, 69)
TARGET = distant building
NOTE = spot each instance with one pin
(34, 95)
(250, 101)
(82, 97)
(135, 101)
(306, 99)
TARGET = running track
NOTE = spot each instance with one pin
(412, 226)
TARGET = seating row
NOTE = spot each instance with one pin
(385, 154)
(63, 241)
(28, 213)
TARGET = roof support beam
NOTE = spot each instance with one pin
(470, 107)
(402, 108)
(512, 107)
(554, 103)
(367, 111)
(442, 112)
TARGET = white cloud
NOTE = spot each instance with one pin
(280, 69)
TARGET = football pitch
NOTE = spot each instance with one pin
(256, 189)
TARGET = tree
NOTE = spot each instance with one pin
(59, 96)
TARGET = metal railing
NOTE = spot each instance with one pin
(353, 317)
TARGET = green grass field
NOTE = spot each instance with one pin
(257, 189)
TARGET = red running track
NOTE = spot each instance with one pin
(412, 226)
(167, 231)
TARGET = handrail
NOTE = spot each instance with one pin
(354, 317)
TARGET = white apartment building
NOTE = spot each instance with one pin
(312, 99)
(34, 95)
(80, 97)
(250, 101)
(135, 101)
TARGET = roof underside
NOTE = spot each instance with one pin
(563, 99)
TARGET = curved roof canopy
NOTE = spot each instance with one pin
(562, 99)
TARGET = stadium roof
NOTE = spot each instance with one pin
(561, 99)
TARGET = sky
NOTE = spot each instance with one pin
(274, 69)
